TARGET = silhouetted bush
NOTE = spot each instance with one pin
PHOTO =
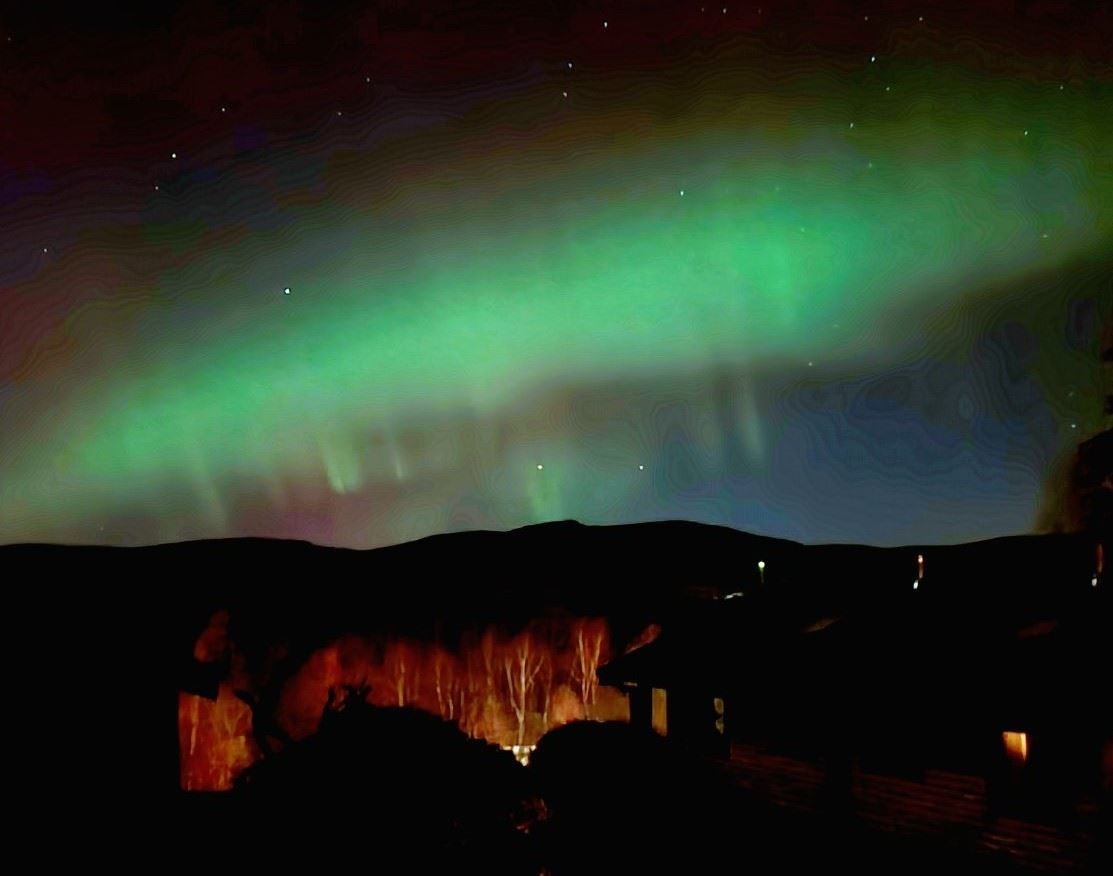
(395, 782)
(621, 799)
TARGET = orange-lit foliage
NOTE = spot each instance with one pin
(645, 637)
(212, 644)
(566, 706)
(505, 690)
(303, 698)
(214, 738)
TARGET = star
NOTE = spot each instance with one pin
(569, 65)
(1025, 133)
(873, 58)
(810, 364)
(682, 193)
(156, 188)
(339, 113)
(286, 291)
(641, 468)
(173, 154)
(540, 467)
(223, 110)
(604, 25)
(565, 93)
(44, 249)
(852, 124)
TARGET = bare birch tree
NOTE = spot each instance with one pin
(588, 638)
(522, 663)
(403, 673)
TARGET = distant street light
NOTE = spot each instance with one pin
(761, 571)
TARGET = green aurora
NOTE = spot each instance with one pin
(624, 233)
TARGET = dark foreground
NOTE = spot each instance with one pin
(597, 798)
(102, 642)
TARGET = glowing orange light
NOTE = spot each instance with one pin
(1016, 745)
(660, 714)
(507, 690)
(521, 752)
(215, 740)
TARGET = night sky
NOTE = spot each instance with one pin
(825, 271)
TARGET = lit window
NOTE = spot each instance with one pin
(1016, 745)
(660, 715)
